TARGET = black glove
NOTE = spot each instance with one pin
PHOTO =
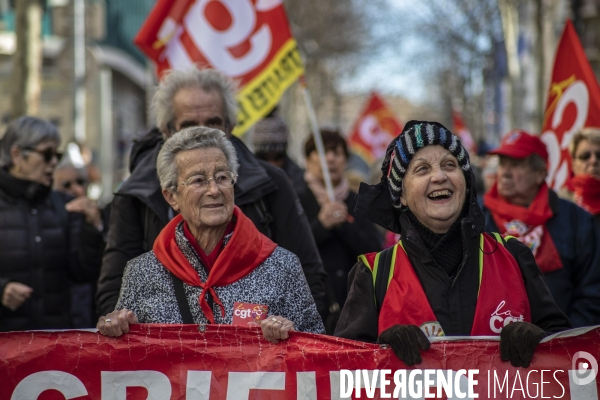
(517, 342)
(406, 340)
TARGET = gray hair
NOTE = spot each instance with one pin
(66, 163)
(592, 135)
(537, 163)
(208, 80)
(195, 137)
(26, 133)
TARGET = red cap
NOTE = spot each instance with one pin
(520, 144)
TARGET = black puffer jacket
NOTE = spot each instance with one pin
(452, 299)
(42, 248)
(263, 193)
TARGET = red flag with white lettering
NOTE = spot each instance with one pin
(249, 40)
(573, 103)
(461, 130)
(374, 130)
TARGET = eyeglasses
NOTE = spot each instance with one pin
(79, 181)
(48, 154)
(587, 154)
(223, 179)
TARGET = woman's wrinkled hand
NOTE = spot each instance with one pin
(276, 328)
(116, 323)
(333, 214)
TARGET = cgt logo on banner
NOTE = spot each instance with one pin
(235, 363)
(374, 130)
(247, 40)
(573, 103)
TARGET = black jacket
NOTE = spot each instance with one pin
(340, 247)
(139, 212)
(575, 234)
(452, 300)
(44, 247)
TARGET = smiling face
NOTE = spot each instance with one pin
(587, 159)
(434, 188)
(195, 107)
(32, 166)
(209, 207)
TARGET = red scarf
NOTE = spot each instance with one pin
(526, 224)
(587, 192)
(246, 250)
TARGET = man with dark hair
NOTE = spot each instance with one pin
(561, 235)
(263, 192)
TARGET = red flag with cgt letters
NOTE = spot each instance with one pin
(374, 130)
(573, 103)
(249, 40)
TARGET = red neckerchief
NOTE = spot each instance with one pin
(207, 259)
(587, 192)
(246, 250)
(526, 224)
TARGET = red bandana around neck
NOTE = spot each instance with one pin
(587, 192)
(246, 250)
(527, 224)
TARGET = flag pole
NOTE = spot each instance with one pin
(312, 116)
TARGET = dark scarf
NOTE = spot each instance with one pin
(17, 188)
(445, 248)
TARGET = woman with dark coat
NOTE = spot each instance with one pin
(340, 236)
(447, 276)
(42, 245)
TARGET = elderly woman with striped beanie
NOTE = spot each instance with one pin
(446, 276)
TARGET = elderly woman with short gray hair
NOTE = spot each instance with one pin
(42, 246)
(210, 260)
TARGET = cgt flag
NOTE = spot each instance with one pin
(463, 133)
(573, 103)
(245, 39)
(374, 130)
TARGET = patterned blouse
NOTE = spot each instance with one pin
(278, 282)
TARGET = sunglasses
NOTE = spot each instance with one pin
(47, 154)
(79, 181)
(587, 154)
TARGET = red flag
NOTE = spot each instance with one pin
(463, 133)
(247, 40)
(573, 103)
(374, 130)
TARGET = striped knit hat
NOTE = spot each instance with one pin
(415, 136)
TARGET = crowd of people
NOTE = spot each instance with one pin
(203, 225)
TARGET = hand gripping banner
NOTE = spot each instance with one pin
(249, 40)
(168, 362)
(573, 103)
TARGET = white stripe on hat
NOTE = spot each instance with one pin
(409, 145)
(430, 133)
(453, 145)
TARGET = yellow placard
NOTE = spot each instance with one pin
(260, 95)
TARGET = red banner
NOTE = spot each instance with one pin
(249, 40)
(374, 130)
(162, 362)
(573, 103)
(464, 133)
